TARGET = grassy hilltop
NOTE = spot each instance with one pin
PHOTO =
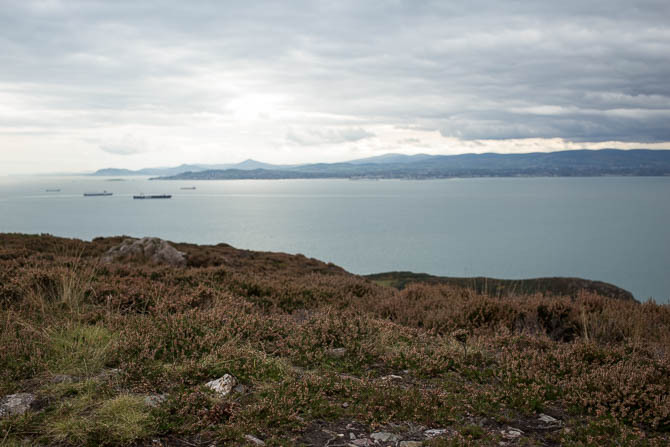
(119, 354)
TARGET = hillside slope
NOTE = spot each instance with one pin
(120, 353)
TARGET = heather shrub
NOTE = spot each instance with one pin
(310, 344)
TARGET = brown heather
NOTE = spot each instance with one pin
(273, 321)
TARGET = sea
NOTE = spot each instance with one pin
(612, 229)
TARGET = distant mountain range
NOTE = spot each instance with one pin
(578, 163)
(245, 165)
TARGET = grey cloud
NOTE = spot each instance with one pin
(125, 145)
(327, 136)
(484, 69)
(120, 149)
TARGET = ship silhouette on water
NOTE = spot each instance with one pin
(153, 196)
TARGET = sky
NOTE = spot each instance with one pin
(86, 85)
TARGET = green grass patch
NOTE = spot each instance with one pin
(79, 349)
(83, 421)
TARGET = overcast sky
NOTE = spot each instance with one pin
(86, 85)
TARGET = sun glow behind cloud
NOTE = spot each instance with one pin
(92, 84)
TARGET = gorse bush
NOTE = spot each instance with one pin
(308, 342)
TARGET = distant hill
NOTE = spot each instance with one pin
(245, 165)
(507, 287)
(391, 158)
(579, 163)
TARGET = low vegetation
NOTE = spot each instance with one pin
(118, 354)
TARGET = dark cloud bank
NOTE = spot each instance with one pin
(582, 71)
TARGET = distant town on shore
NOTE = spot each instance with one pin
(574, 163)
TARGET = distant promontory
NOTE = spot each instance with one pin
(576, 163)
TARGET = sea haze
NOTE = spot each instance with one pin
(613, 229)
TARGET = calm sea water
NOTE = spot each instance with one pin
(608, 228)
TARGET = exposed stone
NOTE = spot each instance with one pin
(63, 378)
(240, 389)
(511, 433)
(363, 442)
(152, 249)
(391, 377)
(108, 374)
(16, 404)
(155, 400)
(434, 432)
(254, 440)
(411, 443)
(548, 419)
(384, 436)
(223, 385)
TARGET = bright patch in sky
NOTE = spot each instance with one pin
(92, 84)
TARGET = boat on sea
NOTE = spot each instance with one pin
(187, 188)
(53, 190)
(97, 194)
(153, 196)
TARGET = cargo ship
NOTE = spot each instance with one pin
(153, 196)
(97, 194)
(187, 188)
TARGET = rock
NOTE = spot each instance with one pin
(434, 432)
(411, 443)
(63, 378)
(16, 404)
(384, 436)
(364, 442)
(152, 249)
(240, 389)
(254, 440)
(391, 377)
(511, 433)
(352, 436)
(336, 352)
(345, 405)
(548, 419)
(223, 385)
(108, 374)
(155, 400)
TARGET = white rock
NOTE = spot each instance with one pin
(384, 436)
(16, 404)
(254, 440)
(223, 385)
(155, 400)
(511, 433)
(434, 432)
(391, 377)
(153, 249)
(411, 443)
(548, 419)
